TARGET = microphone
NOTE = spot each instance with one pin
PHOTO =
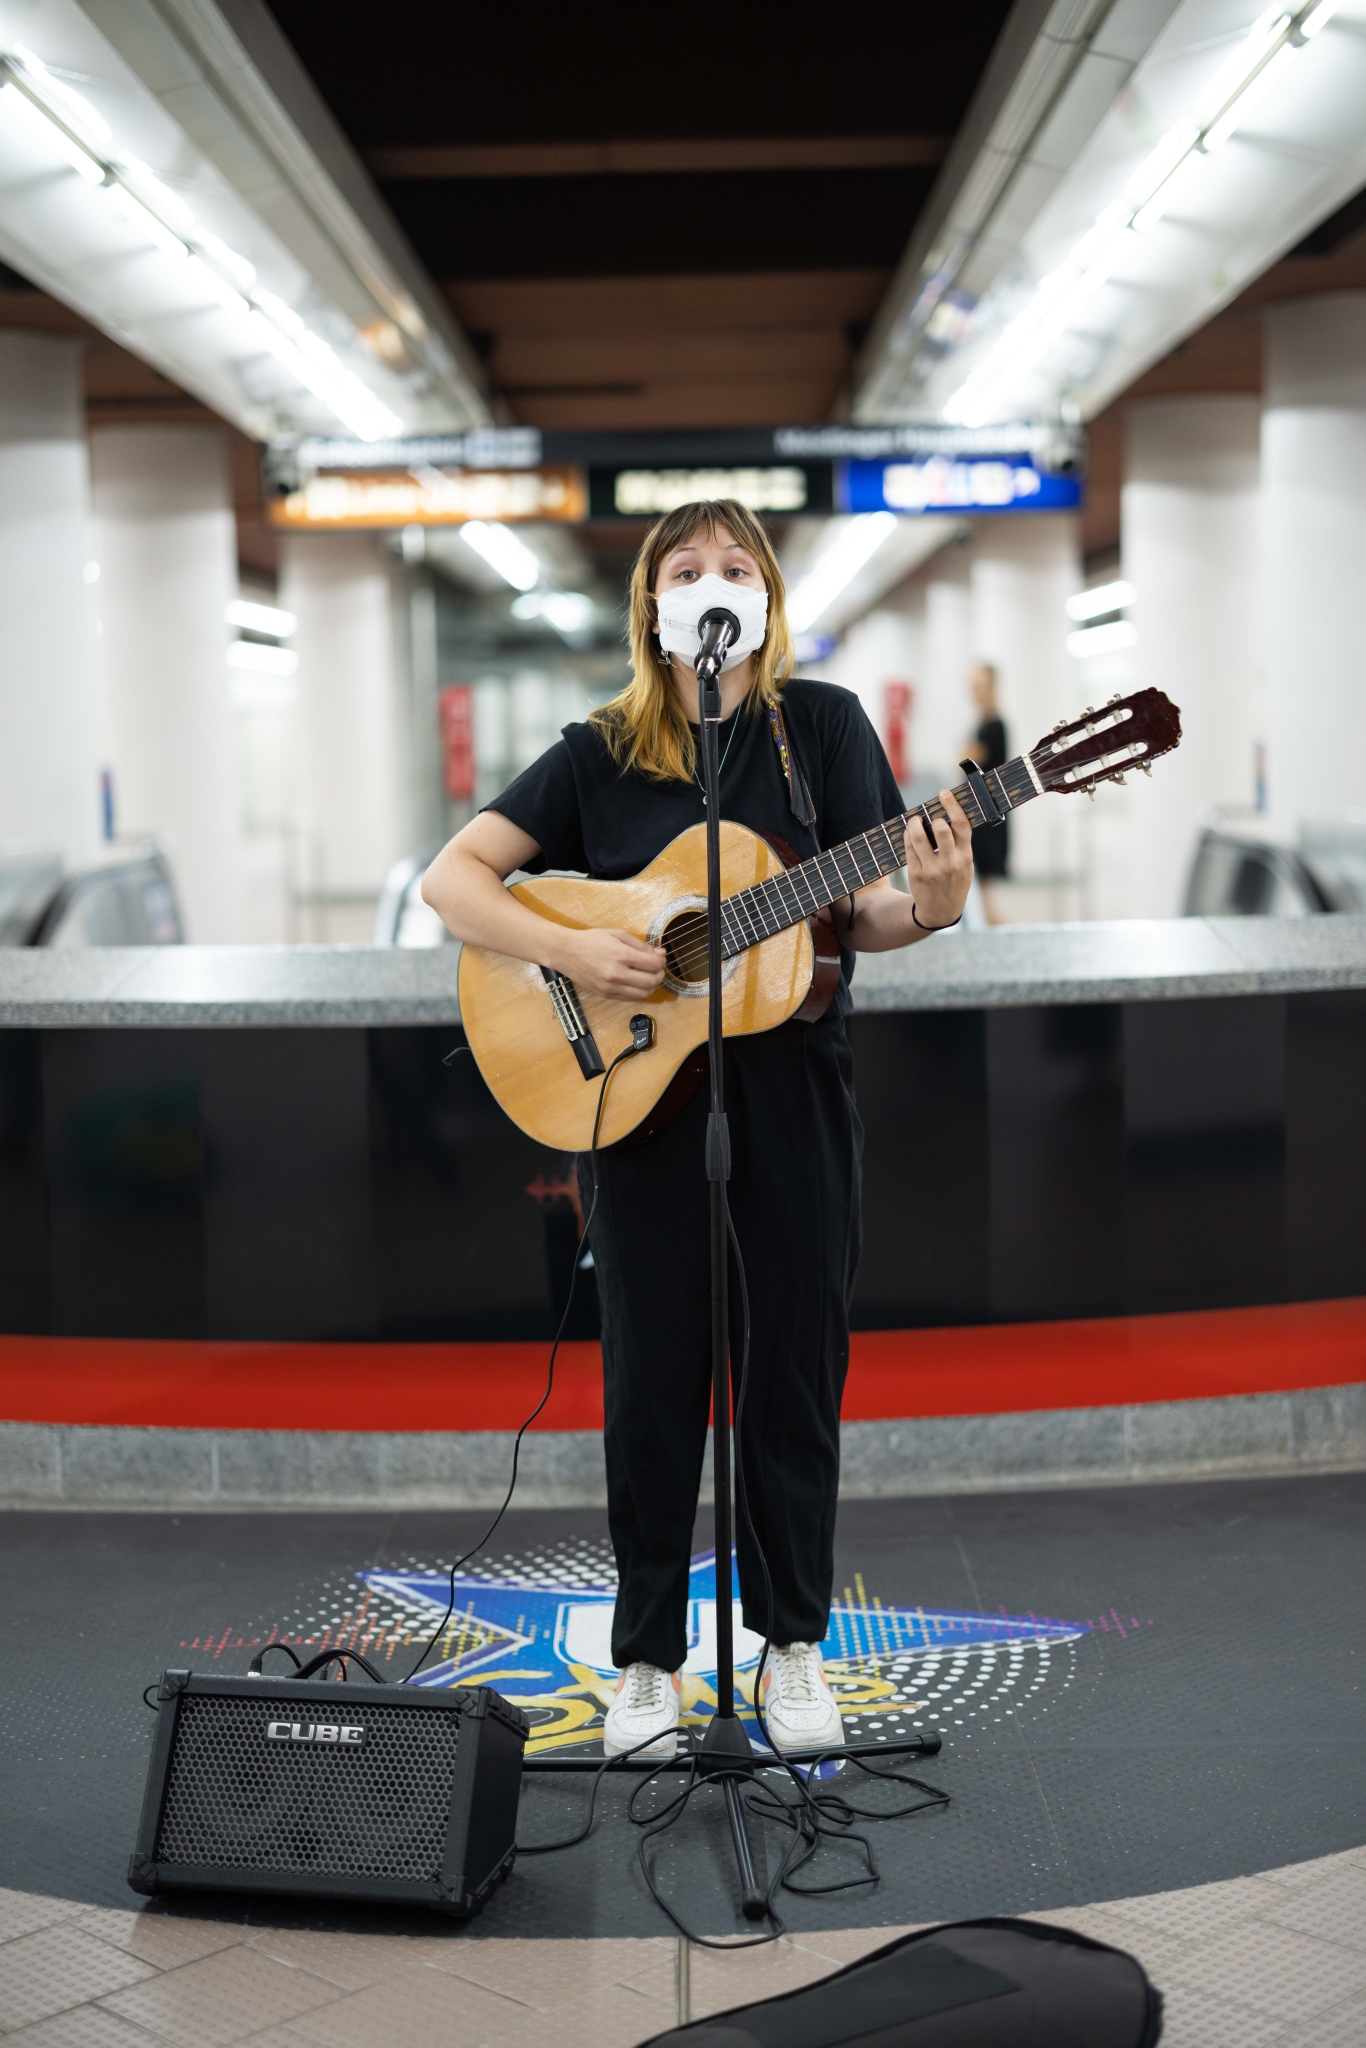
(716, 629)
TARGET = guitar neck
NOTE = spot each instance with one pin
(813, 885)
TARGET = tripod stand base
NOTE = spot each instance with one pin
(727, 1753)
(725, 1747)
(918, 1745)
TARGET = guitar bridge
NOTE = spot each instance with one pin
(574, 1024)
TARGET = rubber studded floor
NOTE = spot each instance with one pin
(1139, 1689)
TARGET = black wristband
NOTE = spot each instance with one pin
(936, 927)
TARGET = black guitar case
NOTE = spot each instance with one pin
(973, 1984)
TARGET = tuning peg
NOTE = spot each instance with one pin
(1144, 769)
(1091, 791)
(1119, 779)
(1115, 699)
(1090, 711)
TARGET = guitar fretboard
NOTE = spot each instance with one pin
(799, 892)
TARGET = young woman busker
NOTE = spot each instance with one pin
(605, 800)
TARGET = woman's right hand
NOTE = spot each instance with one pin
(615, 965)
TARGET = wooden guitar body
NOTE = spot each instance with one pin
(516, 1035)
(541, 1045)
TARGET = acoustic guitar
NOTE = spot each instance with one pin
(540, 1043)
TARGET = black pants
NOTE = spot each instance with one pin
(797, 1148)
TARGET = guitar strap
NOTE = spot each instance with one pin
(798, 795)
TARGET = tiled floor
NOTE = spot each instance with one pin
(1276, 1959)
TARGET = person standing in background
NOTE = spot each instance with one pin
(990, 843)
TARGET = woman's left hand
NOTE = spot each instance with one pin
(939, 867)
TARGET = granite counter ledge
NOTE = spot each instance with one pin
(1021, 966)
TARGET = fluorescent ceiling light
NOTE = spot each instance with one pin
(1102, 639)
(162, 218)
(502, 550)
(569, 611)
(145, 221)
(260, 618)
(19, 106)
(263, 661)
(1061, 298)
(837, 567)
(1103, 597)
(316, 367)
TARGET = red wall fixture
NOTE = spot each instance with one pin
(896, 719)
(456, 712)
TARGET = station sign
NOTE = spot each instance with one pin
(510, 474)
(340, 501)
(641, 492)
(961, 483)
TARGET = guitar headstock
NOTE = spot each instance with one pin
(1128, 732)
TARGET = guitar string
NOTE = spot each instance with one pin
(694, 952)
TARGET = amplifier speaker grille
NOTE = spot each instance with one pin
(236, 1799)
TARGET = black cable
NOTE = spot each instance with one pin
(342, 1657)
(816, 1819)
(150, 1703)
(571, 1841)
(254, 1668)
(626, 1053)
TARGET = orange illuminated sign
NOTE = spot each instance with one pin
(431, 497)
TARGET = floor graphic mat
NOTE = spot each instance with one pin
(1137, 1688)
(538, 1626)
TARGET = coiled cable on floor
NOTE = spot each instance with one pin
(816, 1819)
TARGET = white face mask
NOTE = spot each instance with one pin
(681, 610)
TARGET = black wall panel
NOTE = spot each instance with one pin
(25, 1279)
(1019, 1164)
(1056, 1088)
(1325, 1090)
(288, 1216)
(125, 1173)
(921, 1077)
(1204, 1100)
(475, 1224)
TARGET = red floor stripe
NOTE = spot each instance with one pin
(982, 1370)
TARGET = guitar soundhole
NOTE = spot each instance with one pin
(685, 942)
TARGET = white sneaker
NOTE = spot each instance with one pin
(646, 1705)
(799, 1707)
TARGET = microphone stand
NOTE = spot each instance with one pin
(726, 1751)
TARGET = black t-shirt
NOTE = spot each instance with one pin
(991, 734)
(587, 814)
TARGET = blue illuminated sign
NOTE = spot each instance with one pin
(954, 483)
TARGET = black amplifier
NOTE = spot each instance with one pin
(327, 1789)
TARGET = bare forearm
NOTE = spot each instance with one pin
(938, 874)
(882, 921)
(473, 903)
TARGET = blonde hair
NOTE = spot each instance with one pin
(644, 725)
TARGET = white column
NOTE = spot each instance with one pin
(885, 646)
(49, 725)
(941, 710)
(352, 781)
(168, 566)
(1024, 568)
(1314, 532)
(1189, 514)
